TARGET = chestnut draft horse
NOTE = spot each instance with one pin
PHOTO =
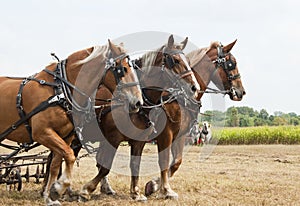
(167, 65)
(215, 64)
(55, 102)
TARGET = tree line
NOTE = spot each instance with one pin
(248, 117)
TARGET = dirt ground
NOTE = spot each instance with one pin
(210, 175)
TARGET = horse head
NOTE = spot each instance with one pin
(107, 65)
(226, 74)
(167, 67)
(175, 60)
(121, 78)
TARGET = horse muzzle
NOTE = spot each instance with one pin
(134, 106)
(236, 94)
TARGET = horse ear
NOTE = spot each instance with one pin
(228, 47)
(184, 43)
(170, 41)
(113, 48)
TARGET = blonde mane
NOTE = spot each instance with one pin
(148, 59)
(197, 55)
(97, 51)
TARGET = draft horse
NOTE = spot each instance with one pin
(50, 107)
(215, 64)
(168, 65)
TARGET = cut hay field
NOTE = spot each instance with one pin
(230, 175)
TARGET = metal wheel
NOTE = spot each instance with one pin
(14, 181)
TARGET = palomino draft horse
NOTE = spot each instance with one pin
(55, 102)
(215, 64)
(168, 65)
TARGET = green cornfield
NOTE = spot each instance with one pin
(257, 135)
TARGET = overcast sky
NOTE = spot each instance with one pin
(267, 50)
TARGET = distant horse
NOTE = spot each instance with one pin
(167, 65)
(216, 64)
(57, 101)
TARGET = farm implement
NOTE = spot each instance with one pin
(15, 166)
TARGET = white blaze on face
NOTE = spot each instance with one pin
(133, 96)
(192, 75)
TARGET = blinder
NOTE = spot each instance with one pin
(169, 61)
(230, 65)
(119, 72)
(227, 65)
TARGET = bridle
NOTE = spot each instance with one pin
(119, 71)
(227, 66)
(170, 63)
(177, 89)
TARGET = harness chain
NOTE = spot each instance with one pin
(173, 94)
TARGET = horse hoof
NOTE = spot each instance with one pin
(172, 197)
(49, 202)
(84, 196)
(151, 187)
(106, 189)
(54, 194)
(169, 195)
(141, 198)
(70, 195)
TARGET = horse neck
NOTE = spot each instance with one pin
(152, 76)
(87, 76)
(204, 69)
(149, 80)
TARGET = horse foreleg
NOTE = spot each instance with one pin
(52, 176)
(135, 160)
(61, 149)
(105, 158)
(177, 150)
(76, 146)
(91, 186)
(164, 156)
(165, 189)
(105, 187)
(60, 186)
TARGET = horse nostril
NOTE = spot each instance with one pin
(244, 92)
(194, 88)
(138, 104)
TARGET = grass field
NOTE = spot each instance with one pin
(229, 175)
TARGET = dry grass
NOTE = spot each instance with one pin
(231, 175)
